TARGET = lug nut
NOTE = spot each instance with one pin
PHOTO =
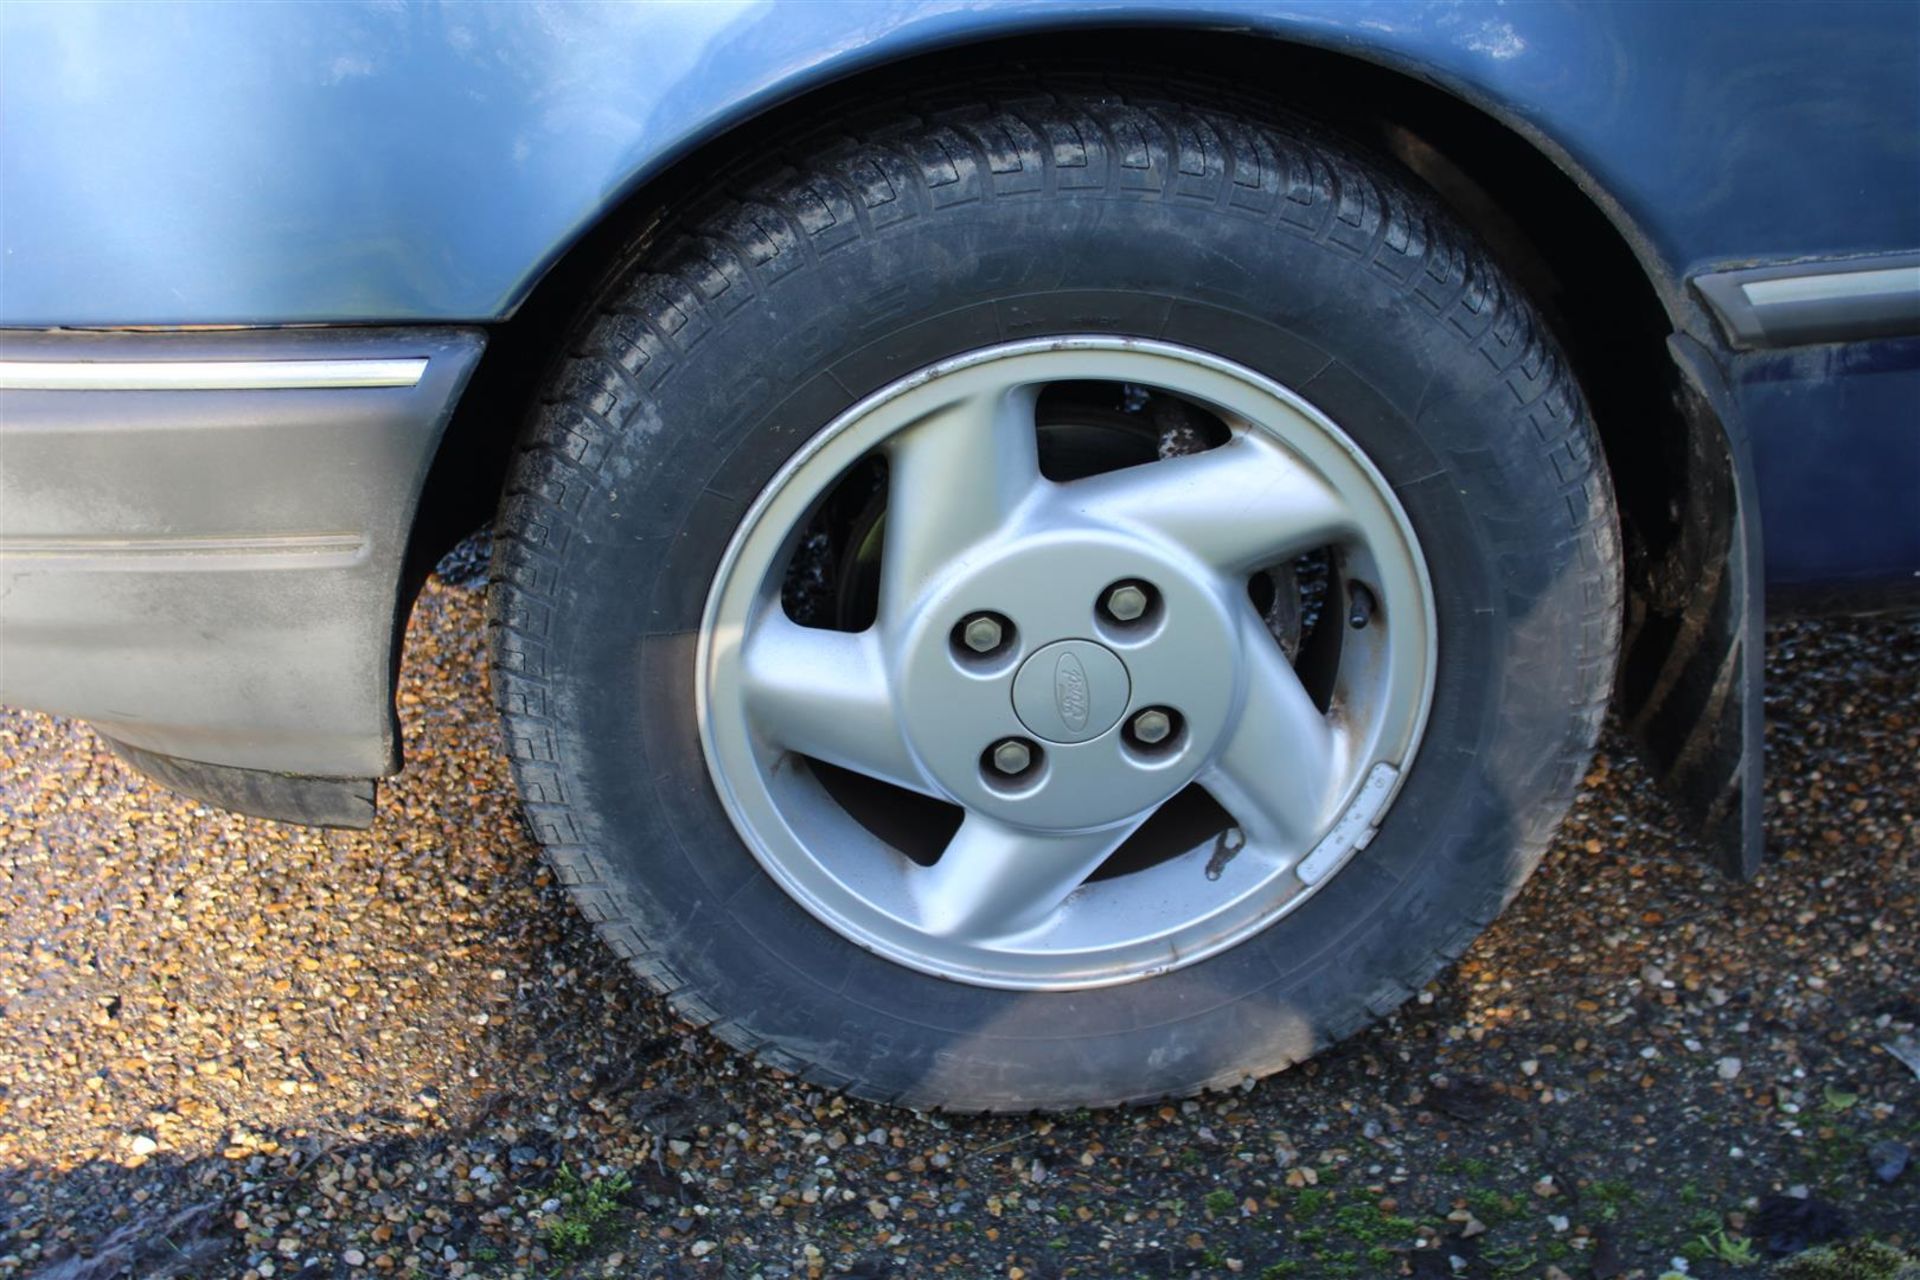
(1012, 756)
(1360, 605)
(1152, 725)
(1126, 603)
(982, 633)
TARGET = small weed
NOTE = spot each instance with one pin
(1511, 1260)
(1365, 1223)
(585, 1210)
(1612, 1197)
(1220, 1203)
(1356, 1220)
(1490, 1206)
(1735, 1251)
(1280, 1270)
(1704, 1222)
(1310, 1202)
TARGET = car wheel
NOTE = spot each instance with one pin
(1054, 602)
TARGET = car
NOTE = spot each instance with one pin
(1044, 554)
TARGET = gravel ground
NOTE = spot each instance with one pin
(230, 1048)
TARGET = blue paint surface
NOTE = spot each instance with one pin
(1836, 452)
(249, 163)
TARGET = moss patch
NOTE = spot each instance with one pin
(1852, 1260)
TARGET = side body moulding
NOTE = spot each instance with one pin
(201, 547)
(1844, 301)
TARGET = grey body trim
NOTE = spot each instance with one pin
(188, 555)
(1811, 302)
(210, 569)
(206, 375)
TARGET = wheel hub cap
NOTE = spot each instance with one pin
(1070, 680)
(1071, 691)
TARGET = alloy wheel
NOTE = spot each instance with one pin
(1056, 665)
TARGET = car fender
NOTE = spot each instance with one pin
(276, 164)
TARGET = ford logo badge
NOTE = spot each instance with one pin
(1070, 695)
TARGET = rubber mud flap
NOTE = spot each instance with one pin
(281, 797)
(1691, 677)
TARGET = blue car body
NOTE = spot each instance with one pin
(173, 167)
(326, 163)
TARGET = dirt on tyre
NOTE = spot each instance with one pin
(1063, 600)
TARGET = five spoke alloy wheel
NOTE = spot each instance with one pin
(1054, 664)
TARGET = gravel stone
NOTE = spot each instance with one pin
(462, 1051)
(1889, 1159)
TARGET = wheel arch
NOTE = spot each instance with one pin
(1680, 471)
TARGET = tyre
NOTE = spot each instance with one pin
(1066, 599)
